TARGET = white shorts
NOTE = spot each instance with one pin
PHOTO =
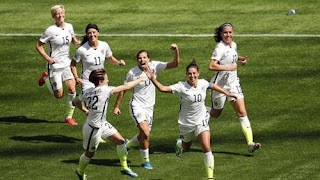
(140, 114)
(57, 76)
(218, 99)
(92, 136)
(189, 132)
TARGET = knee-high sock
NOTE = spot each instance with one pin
(122, 153)
(134, 142)
(144, 154)
(70, 108)
(246, 129)
(83, 162)
(209, 163)
(47, 82)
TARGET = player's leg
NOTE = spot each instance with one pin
(90, 143)
(204, 138)
(71, 86)
(144, 135)
(217, 104)
(240, 109)
(122, 153)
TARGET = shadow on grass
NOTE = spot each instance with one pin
(233, 153)
(100, 162)
(47, 138)
(24, 119)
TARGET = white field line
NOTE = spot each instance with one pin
(177, 35)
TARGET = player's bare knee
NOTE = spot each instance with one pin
(89, 154)
(214, 113)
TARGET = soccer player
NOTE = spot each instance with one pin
(92, 55)
(224, 62)
(96, 125)
(59, 37)
(143, 100)
(193, 116)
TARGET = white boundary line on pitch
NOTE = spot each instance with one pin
(178, 35)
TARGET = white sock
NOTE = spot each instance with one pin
(144, 153)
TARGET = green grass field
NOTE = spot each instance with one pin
(280, 83)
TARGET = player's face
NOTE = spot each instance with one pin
(227, 35)
(193, 76)
(59, 15)
(92, 34)
(143, 60)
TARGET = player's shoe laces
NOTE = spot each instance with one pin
(147, 165)
(179, 148)
(81, 177)
(129, 172)
(41, 79)
(254, 146)
(71, 122)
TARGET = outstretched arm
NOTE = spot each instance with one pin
(219, 89)
(161, 87)
(215, 66)
(115, 61)
(129, 85)
(176, 59)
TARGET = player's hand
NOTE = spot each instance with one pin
(232, 95)
(52, 61)
(148, 72)
(78, 80)
(243, 61)
(122, 63)
(116, 111)
(174, 46)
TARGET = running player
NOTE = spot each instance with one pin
(224, 61)
(143, 100)
(193, 116)
(59, 37)
(96, 125)
(92, 55)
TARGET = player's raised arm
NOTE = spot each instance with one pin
(176, 59)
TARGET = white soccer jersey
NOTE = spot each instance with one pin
(144, 94)
(97, 102)
(59, 44)
(192, 107)
(226, 56)
(92, 59)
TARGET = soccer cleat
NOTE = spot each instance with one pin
(147, 165)
(41, 80)
(254, 146)
(71, 121)
(129, 172)
(179, 148)
(81, 177)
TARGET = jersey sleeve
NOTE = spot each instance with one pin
(128, 77)
(217, 53)
(77, 56)
(71, 30)
(160, 66)
(108, 50)
(176, 88)
(46, 36)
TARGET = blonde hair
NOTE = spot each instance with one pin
(54, 8)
